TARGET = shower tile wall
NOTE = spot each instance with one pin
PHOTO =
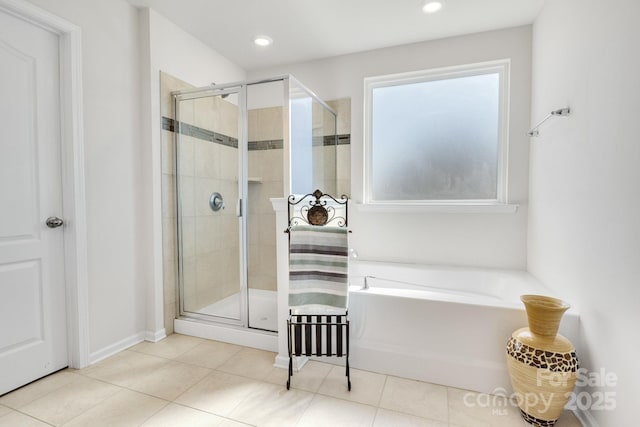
(323, 149)
(265, 182)
(342, 107)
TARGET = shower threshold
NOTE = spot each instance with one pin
(262, 320)
(263, 309)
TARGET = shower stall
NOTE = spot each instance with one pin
(237, 146)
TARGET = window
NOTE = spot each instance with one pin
(438, 136)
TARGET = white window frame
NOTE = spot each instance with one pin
(500, 204)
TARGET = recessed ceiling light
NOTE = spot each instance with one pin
(431, 6)
(262, 40)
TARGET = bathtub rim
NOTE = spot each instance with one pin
(533, 284)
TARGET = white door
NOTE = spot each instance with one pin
(33, 339)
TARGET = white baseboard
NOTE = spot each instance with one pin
(155, 336)
(283, 362)
(117, 347)
(585, 418)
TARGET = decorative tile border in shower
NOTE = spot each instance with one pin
(271, 144)
(200, 133)
(344, 139)
(331, 140)
(169, 124)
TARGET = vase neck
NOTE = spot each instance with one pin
(544, 319)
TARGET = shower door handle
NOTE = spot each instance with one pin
(239, 208)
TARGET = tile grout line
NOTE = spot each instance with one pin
(192, 386)
(208, 413)
(92, 406)
(384, 385)
(19, 410)
(151, 395)
(306, 407)
(386, 377)
(45, 394)
(31, 416)
(167, 403)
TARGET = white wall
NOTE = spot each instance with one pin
(123, 50)
(112, 151)
(584, 229)
(166, 47)
(494, 240)
(176, 52)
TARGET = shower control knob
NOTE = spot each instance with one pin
(216, 202)
(54, 222)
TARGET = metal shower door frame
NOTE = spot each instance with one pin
(241, 208)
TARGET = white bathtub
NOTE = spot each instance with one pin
(444, 325)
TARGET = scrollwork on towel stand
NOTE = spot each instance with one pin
(316, 208)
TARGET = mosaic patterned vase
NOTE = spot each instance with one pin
(542, 364)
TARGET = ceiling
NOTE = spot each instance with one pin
(311, 29)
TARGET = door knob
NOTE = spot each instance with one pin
(54, 222)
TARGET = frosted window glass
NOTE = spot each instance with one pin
(436, 140)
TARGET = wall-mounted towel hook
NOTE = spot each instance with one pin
(559, 112)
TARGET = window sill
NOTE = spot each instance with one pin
(463, 208)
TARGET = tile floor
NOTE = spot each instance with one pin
(188, 381)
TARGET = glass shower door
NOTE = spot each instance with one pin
(313, 142)
(208, 193)
(265, 109)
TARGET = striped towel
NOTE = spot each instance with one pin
(318, 267)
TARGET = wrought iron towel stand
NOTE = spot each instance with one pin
(317, 334)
